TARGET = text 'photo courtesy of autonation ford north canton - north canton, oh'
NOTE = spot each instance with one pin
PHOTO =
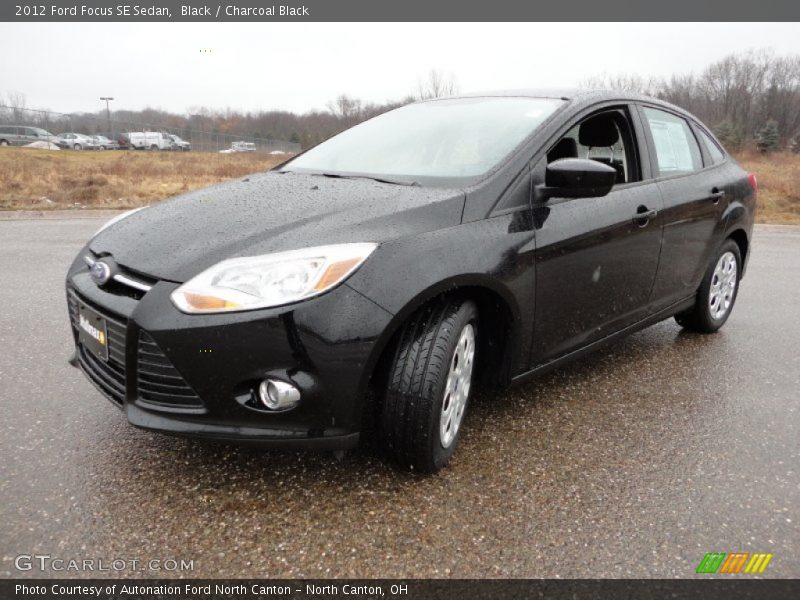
(354, 300)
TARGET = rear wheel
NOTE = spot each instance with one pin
(3, 142)
(430, 380)
(717, 293)
(77, 147)
(154, 147)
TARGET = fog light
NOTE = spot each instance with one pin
(278, 395)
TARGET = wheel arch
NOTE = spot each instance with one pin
(739, 236)
(498, 330)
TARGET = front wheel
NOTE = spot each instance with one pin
(77, 147)
(430, 381)
(3, 142)
(717, 293)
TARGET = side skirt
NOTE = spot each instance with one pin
(588, 349)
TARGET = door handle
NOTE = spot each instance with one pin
(716, 195)
(643, 215)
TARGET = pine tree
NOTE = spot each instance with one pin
(729, 134)
(768, 137)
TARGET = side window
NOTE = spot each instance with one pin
(605, 137)
(677, 151)
(713, 150)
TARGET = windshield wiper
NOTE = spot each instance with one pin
(379, 179)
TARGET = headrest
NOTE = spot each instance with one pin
(565, 148)
(598, 132)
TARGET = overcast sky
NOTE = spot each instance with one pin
(67, 67)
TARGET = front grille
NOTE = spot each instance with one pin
(159, 381)
(107, 376)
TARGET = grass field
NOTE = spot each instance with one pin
(51, 179)
(47, 180)
(778, 177)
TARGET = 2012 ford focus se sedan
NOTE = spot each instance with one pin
(375, 278)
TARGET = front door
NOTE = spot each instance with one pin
(596, 258)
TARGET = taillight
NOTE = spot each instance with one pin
(751, 179)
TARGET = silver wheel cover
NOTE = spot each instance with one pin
(459, 381)
(723, 286)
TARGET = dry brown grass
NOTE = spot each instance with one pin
(778, 175)
(43, 179)
(50, 179)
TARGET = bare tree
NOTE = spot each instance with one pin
(436, 85)
(626, 82)
(347, 109)
(736, 95)
(17, 105)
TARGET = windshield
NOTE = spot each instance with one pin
(463, 137)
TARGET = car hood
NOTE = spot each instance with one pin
(271, 212)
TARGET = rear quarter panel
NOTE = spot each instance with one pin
(741, 208)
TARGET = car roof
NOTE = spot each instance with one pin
(578, 96)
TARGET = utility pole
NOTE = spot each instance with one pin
(108, 112)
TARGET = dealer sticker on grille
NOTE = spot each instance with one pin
(92, 332)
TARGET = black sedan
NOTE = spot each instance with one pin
(377, 277)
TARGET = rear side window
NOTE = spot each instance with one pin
(676, 148)
(713, 150)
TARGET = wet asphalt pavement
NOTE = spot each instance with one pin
(634, 462)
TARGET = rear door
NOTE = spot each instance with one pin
(694, 202)
(596, 258)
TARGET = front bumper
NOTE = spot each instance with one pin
(195, 375)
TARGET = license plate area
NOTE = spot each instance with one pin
(92, 332)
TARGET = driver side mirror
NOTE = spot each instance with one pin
(577, 178)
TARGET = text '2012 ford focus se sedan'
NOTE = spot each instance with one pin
(377, 277)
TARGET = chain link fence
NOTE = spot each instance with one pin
(201, 140)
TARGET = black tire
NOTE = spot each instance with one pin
(77, 147)
(699, 317)
(153, 148)
(3, 142)
(412, 405)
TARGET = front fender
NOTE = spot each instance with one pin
(494, 255)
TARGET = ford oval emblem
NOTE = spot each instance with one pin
(100, 272)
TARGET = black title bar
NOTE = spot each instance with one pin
(407, 10)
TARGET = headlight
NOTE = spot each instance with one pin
(118, 218)
(270, 280)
